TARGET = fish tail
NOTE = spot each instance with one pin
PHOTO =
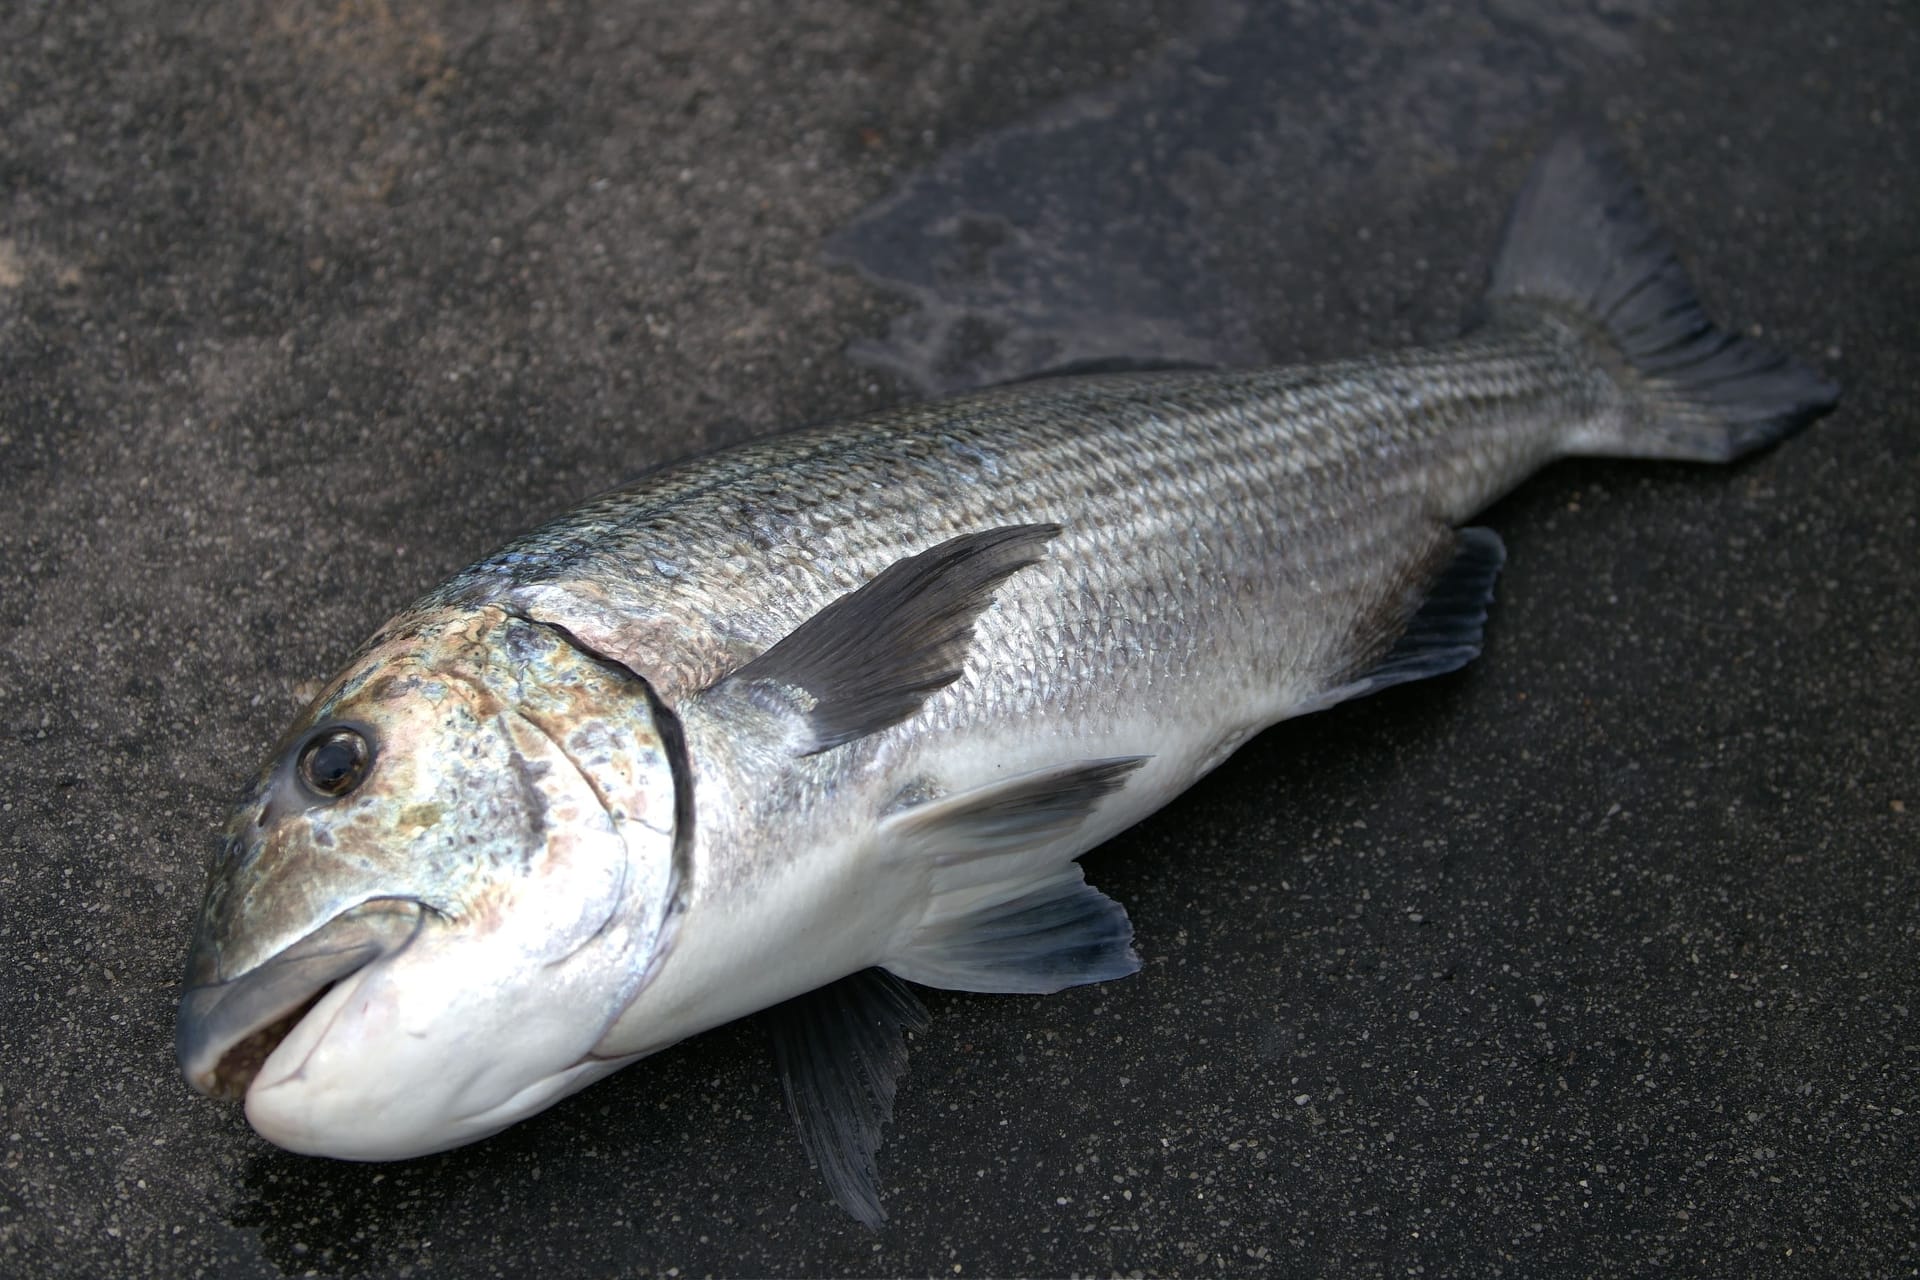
(1581, 239)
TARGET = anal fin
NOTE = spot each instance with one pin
(1445, 632)
(1010, 909)
(840, 1052)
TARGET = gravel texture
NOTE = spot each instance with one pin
(1600, 958)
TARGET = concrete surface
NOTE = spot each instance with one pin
(1598, 959)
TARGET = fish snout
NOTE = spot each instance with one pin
(227, 1029)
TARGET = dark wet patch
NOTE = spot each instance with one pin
(1163, 216)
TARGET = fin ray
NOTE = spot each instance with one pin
(1446, 629)
(1581, 237)
(1059, 932)
(1010, 911)
(1102, 366)
(871, 658)
(1010, 814)
(840, 1052)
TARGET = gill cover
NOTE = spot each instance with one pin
(489, 893)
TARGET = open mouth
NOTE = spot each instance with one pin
(239, 1065)
(227, 1030)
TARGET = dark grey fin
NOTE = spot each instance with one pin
(869, 659)
(1095, 365)
(840, 1052)
(1582, 238)
(1062, 932)
(1445, 632)
(1007, 816)
(1010, 911)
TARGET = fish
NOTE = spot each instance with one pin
(794, 727)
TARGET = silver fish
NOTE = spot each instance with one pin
(791, 723)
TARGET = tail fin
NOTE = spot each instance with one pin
(1581, 238)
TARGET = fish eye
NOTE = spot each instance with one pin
(333, 762)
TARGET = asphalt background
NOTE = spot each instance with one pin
(1600, 958)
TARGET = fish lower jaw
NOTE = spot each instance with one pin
(275, 1105)
(233, 1076)
(540, 1095)
(287, 1063)
(375, 1072)
(303, 1101)
(287, 1111)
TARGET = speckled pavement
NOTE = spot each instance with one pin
(1599, 958)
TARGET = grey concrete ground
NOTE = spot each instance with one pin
(1600, 958)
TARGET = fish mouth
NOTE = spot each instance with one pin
(227, 1030)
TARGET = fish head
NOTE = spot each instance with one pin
(449, 878)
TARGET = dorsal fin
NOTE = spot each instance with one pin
(868, 660)
(1094, 366)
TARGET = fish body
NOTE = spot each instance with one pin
(1231, 550)
(769, 725)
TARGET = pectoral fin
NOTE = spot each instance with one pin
(1010, 910)
(840, 1052)
(868, 660)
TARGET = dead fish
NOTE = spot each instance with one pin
(796, 723)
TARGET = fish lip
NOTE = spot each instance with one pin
(216, 1017)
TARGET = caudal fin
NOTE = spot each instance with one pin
(1581, 239)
